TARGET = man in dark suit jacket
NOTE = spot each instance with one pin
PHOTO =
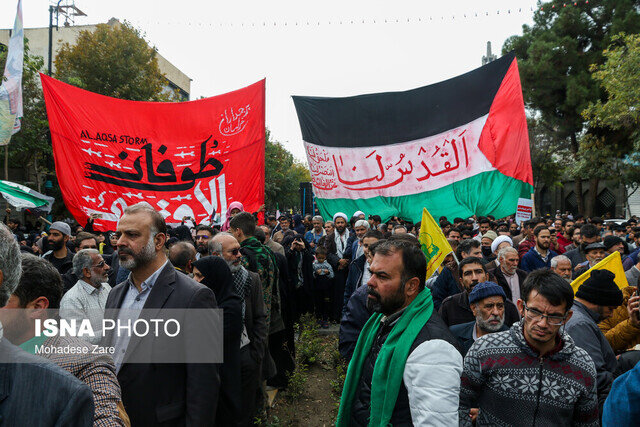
(455, 309)
(159, 393)
(508, 275)
(487, 301)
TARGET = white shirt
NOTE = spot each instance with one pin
(366, 274)
(84, 301)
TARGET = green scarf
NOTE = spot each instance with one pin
(389, 367)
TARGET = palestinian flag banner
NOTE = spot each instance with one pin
(22, 197)
(459, 147)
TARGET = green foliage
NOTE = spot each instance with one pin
(297, 382)
(283, 175)
(555, 59)
(114, 61)
(549, 153)
(556, 53)
(30, 149)
(619, 76)
(309, 346)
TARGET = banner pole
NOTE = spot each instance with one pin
(6, 162)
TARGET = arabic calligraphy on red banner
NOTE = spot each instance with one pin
(186, 159)
(398, 169)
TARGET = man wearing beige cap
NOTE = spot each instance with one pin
(59, 255)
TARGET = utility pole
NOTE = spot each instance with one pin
(51, 10)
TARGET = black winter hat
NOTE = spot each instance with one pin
(610, 241)
(601, 289)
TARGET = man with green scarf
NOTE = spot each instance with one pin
(406, 366)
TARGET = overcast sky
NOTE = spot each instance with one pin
(313, 48)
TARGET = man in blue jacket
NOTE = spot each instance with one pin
(540, 255)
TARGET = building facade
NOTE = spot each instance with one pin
(39, 45)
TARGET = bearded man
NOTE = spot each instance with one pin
(487, 301)
(156, 394)
(253, 343)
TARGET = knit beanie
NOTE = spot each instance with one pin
(600, 289)
(485, 290)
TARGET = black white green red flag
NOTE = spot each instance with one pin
(458, 147)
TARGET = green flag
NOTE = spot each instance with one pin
(22, 197)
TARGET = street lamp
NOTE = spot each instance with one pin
(69, 10)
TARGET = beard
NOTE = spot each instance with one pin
(97, 280)
(202, 249)
(544, 245)
(135, 260)
(387, 306)
(56, 245)
(234, 267)
(486, 326)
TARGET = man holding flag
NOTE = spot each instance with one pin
(406, 367)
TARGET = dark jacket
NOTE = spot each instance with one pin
(502, 281)
(255, 319)
(354, 317)
(329, 242)
(66, 265)
(444, 286)
(533, 261)
(169, 394)
(583, 328)
(433, 329)
(576, 256)
(464, 334)
(36, 392)
(356, 269)
(456, 310)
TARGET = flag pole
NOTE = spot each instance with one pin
(6, 162)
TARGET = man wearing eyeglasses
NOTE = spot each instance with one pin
(595, 301)
(87, 298)
(253, 344)
(534, 373)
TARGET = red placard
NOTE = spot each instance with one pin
(184, 158)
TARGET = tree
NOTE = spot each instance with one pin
(30, 148)
(619, 76)
(555, 56)
(549, 155)
(114, 61)
(283, 175)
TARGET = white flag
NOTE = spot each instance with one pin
(11, 88)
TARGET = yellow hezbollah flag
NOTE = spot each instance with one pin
(613, 263)
(433, 243)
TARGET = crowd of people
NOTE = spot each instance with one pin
(497, 336)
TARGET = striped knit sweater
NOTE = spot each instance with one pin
(513, 386)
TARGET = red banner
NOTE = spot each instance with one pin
(184, 158)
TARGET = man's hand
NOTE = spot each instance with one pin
(633, 308)
(8, 211)
(261, 208)
(343, 263)
(473, 413)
